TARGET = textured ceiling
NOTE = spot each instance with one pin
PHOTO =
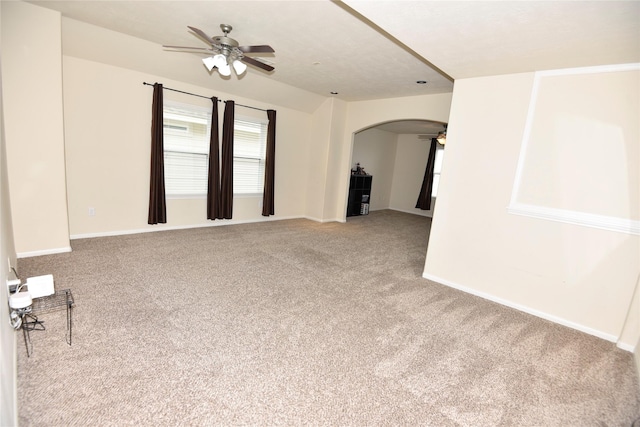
(379, 49)
(319, 45)
(481, 38)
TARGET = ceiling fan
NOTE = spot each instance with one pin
(225, 52)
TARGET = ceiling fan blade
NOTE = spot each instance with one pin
(256, 63)
(256, 49)
(201, 33)
(187, 47)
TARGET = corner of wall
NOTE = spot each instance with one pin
(629, 338)
(8, 358)
(636, 358)
(36, 163)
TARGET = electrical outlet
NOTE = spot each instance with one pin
(92, 211)
(12, 285)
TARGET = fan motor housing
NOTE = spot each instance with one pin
(223, 40)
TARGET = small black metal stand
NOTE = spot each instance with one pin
(56, 301)
(28, 325)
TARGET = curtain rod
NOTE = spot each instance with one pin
(202, 96)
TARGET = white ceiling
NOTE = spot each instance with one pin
(325, 46)
(319, 46)
(480, 38)
(379, 49)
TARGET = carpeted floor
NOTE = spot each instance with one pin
(299, 323)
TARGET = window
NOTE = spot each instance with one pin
(186, 151)
(437, 167)
(250, 146)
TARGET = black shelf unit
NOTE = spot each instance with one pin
(359, 195)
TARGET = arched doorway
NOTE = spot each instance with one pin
(395, 153)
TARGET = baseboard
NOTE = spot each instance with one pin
(528, 310)
(43, 252)
(419, 212)
(325, 220)
(343, 220)
(164, 227)
(625, 346)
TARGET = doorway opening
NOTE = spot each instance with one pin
(394, 155)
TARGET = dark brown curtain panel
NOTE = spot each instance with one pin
(157, 201)
(226, 187)
(214, 210)
(270, 166)
(424, 199)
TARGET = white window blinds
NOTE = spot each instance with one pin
(249, 156)
(186, 151)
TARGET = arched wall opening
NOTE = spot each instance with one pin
(360, 116)
(395, 154)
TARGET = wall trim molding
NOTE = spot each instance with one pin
(528, 310)
(603, 222)
(43, 252)
(610, 223)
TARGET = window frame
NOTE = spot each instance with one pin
(203, 114)
(437, 170)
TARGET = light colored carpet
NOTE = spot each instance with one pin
(299, 323)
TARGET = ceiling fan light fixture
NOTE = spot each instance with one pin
(239, 66)
(228, 52)
(209, 62)
(225, 70)
(220, 61)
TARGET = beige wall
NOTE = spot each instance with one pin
(318, 158)
(408, 173)
(375, 150)
(8, 365)
(579, 111)
(107, 132)
(32, 96)
(579, 276)
(8, 361)
(336, 170)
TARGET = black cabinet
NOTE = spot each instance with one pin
(359, 195)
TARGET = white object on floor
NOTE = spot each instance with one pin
(20, 300)
(40, 286)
